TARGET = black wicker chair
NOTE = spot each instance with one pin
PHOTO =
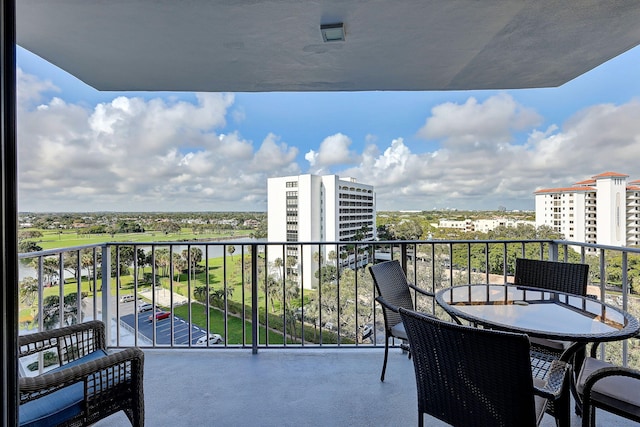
(394, 291)
(608, 387)
(556, 276)
(468, 376)
(89, 384)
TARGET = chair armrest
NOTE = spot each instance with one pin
(611, 371)
(111, 367)
(90, 334)
(422, 291)
(556, 381)
(387, 304)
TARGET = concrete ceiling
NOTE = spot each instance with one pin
(276, 45)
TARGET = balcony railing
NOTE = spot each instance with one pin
(253, 295)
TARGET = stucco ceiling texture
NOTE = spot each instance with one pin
(276, 45)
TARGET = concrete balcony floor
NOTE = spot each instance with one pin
(285, 387)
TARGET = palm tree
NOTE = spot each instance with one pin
(179, 264)
(162, 261)
(271, 290)
(332, 256)
(290, 263)
(200, 293)
(291, 292)
(141, 262)
(192, 257)
(217, 296)
(277, 263)
(86, 262)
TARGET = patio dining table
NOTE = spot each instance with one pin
(540, 313)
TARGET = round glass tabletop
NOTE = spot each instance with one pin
(538, 312)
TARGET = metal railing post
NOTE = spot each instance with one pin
(553, 251)
(403, 256)
(254, 298)
(106, 275)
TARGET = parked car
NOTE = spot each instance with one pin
(213, 339)
(145, 306)
(160, 314)
(128, 298)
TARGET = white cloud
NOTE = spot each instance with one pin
(136, 154)
(500, 171)
(169, 154)
(334, 150)
(30, 88)
(474, 125)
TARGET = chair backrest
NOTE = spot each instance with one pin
(557, 276)
(468, 376)
(391, 284)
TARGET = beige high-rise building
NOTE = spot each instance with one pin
(604, 209)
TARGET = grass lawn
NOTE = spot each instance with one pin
(55, 239)
(234, 325)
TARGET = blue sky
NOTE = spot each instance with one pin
(85, 150)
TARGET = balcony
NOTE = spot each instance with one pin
(301, 355)
(314, 298)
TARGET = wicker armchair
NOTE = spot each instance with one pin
(608, 387)
(394, 291)
(469, 376)
(89, 384)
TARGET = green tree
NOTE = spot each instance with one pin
(51, 310)
(231, 250)
(25, 246)
(28, 291)
(407, 229)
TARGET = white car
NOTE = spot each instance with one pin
(127, 298)
(145, 307)
(213, 339)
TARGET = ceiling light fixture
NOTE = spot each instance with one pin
(332, 32)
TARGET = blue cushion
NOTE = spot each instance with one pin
(59, 406)
(53, 408)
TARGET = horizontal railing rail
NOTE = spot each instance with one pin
(257, 294)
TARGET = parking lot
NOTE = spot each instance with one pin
(163, 328)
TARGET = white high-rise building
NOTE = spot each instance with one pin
(314, 208)
(604, 209)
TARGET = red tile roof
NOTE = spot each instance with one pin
(609, 175)
(565, 190)
(586, 181)
(586, 185)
